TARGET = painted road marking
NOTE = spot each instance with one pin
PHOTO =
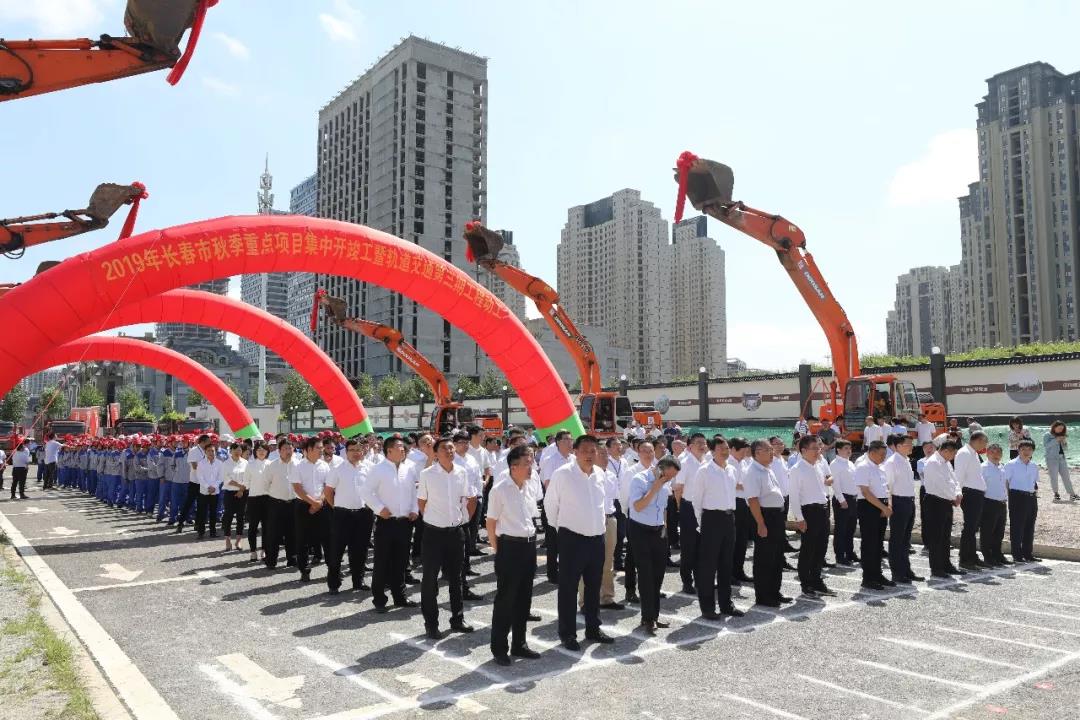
(423, 684)
(353, 674)
(1058, 604)
(428, 646)
(762, 706)
(62, 532)
(1026, 626)
(914, 644)
(911, 673)
(115, 571)
(237, 694)
(1063, 616)
(864, 696)
(1033, 646)
(260, 684)
(199, 575)
(141, 697)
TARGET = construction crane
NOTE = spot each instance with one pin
(17, 234)
(34, 67)
(708, 185)
(447, 414)
(604, 414)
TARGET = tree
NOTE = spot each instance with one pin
(492, 383)
(129, 399)
(53, 404)
(90, 396)
(270, 397)
(297, 393)
(365, 388)
(467, 387)
(412, 388)
(13, 405)
(194, 397)
(237, 391)
(390, 387)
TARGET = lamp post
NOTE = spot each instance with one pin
(703, 395)
(420, 414)
(391, 399)
(312, 409)
(505, 406)
(623, 385)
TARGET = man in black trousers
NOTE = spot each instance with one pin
(390, 492)
(511, 531)
(311, 514)
(351, 519)
(713, 500)
(649, 493)
(873, 511)
(765, 498)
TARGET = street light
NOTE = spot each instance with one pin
(623, 385)
(505, 406)
(420, 414)
(312, 414)
(391, 399)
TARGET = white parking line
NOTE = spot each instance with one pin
(1063, 616)
(79, 536)
(1026, 626)
(199, 575)
(1058, 604)
(393, 702)
(1033, 646)
(920, 676)
(232, 689)
(434, 649)
(916, 645)
(762, 706)
(864, 696)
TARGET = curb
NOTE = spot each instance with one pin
(106, 703)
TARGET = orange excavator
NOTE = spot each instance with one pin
(708, 185)
(17, 234)
(34, 67)
(604, 414)
(447, 414)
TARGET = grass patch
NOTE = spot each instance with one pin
(54, 652)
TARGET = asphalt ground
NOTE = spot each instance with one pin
(212, 635)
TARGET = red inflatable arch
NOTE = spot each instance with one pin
(52, 307)
(167, 361)
(224, 313)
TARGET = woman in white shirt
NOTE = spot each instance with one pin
(258, 488)
(208, 474)
(20, 466)
(232, 473)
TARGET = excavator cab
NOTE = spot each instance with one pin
(880, 396)
(447, 417)
(605, 414)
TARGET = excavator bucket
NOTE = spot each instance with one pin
(160, 23)
(107, 199)
(709, 183)
(484, 244)
(337, 307)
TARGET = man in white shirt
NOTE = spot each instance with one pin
(574, 504)
(52, 456)
(809, 505)
(279, 513)
(446, 500)
(992, 527)
(844, 503)
(210, 479)
(766, 501)
(390, 491)
(973, 427)
(646, 460)
(615, 464)
(418, 455)
(196, 455)
(512, 534)
(311, 514)
(558, 457)
(968, 466)
(874, 510)
(611, 496)
(476, 484)
(871, 432)
(901, 482)
(744, 521)
(329, 453)
(783, 478)
(942, 495)
(713, 498)
(690, 462)
(422, 456)
(351, 519)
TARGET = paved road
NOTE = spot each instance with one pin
(213, 635)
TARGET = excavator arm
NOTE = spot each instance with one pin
(34, 67)
(484, 247)
(708, 185)
(17, 234)
(388, 336)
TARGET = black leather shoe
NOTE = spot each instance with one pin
(381, 609)
(824, 590)
(969, 565)
(788, 566)
(503, 660)
(732, 611)
(912, 577)
(768, 603)
(305, 577)
(953, 570)
(888, 583)
(472, 573)
(535, 617)
(872, 585)
(689, 590)
(599, 636)
(362, 586)
(470, 595)
(436, 634)
(807, 590)
(525, 652)
(1004, 560)
(334, 591)
(785, 599)
(571, 644)
(661, 624)
(711, 616)
(612, 606)
(647, 627)
(632, 599)
(461, 627)
(944, 575)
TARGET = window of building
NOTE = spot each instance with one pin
(418, 227)
(421, 70)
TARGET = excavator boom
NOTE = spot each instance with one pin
(708, 185)
(34, 67)
(392, 339)
(484, 247)
(17, 234)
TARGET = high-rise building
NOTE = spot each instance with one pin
(612, 265)
(697, 290)
(1020, 231)
(35, 384)
(300, 287)
(266, 291)
(509, 296)
(180, 335)
(926, 312)
(404, 150)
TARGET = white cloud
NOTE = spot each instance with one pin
(63, 18)
(236, 48)
(342, 23)
(942, 173)
(220, 86)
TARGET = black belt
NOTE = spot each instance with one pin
(909, 497)
(531, 540)
(436, 528)
(1022, 492)
(725, 512)
(648, 528)
(393, 518)
(820, 504)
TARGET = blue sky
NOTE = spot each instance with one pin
(854, 122)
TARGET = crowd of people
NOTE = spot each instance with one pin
(601, 506)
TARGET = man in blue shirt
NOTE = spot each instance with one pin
(649, 493)
(1021, 475)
